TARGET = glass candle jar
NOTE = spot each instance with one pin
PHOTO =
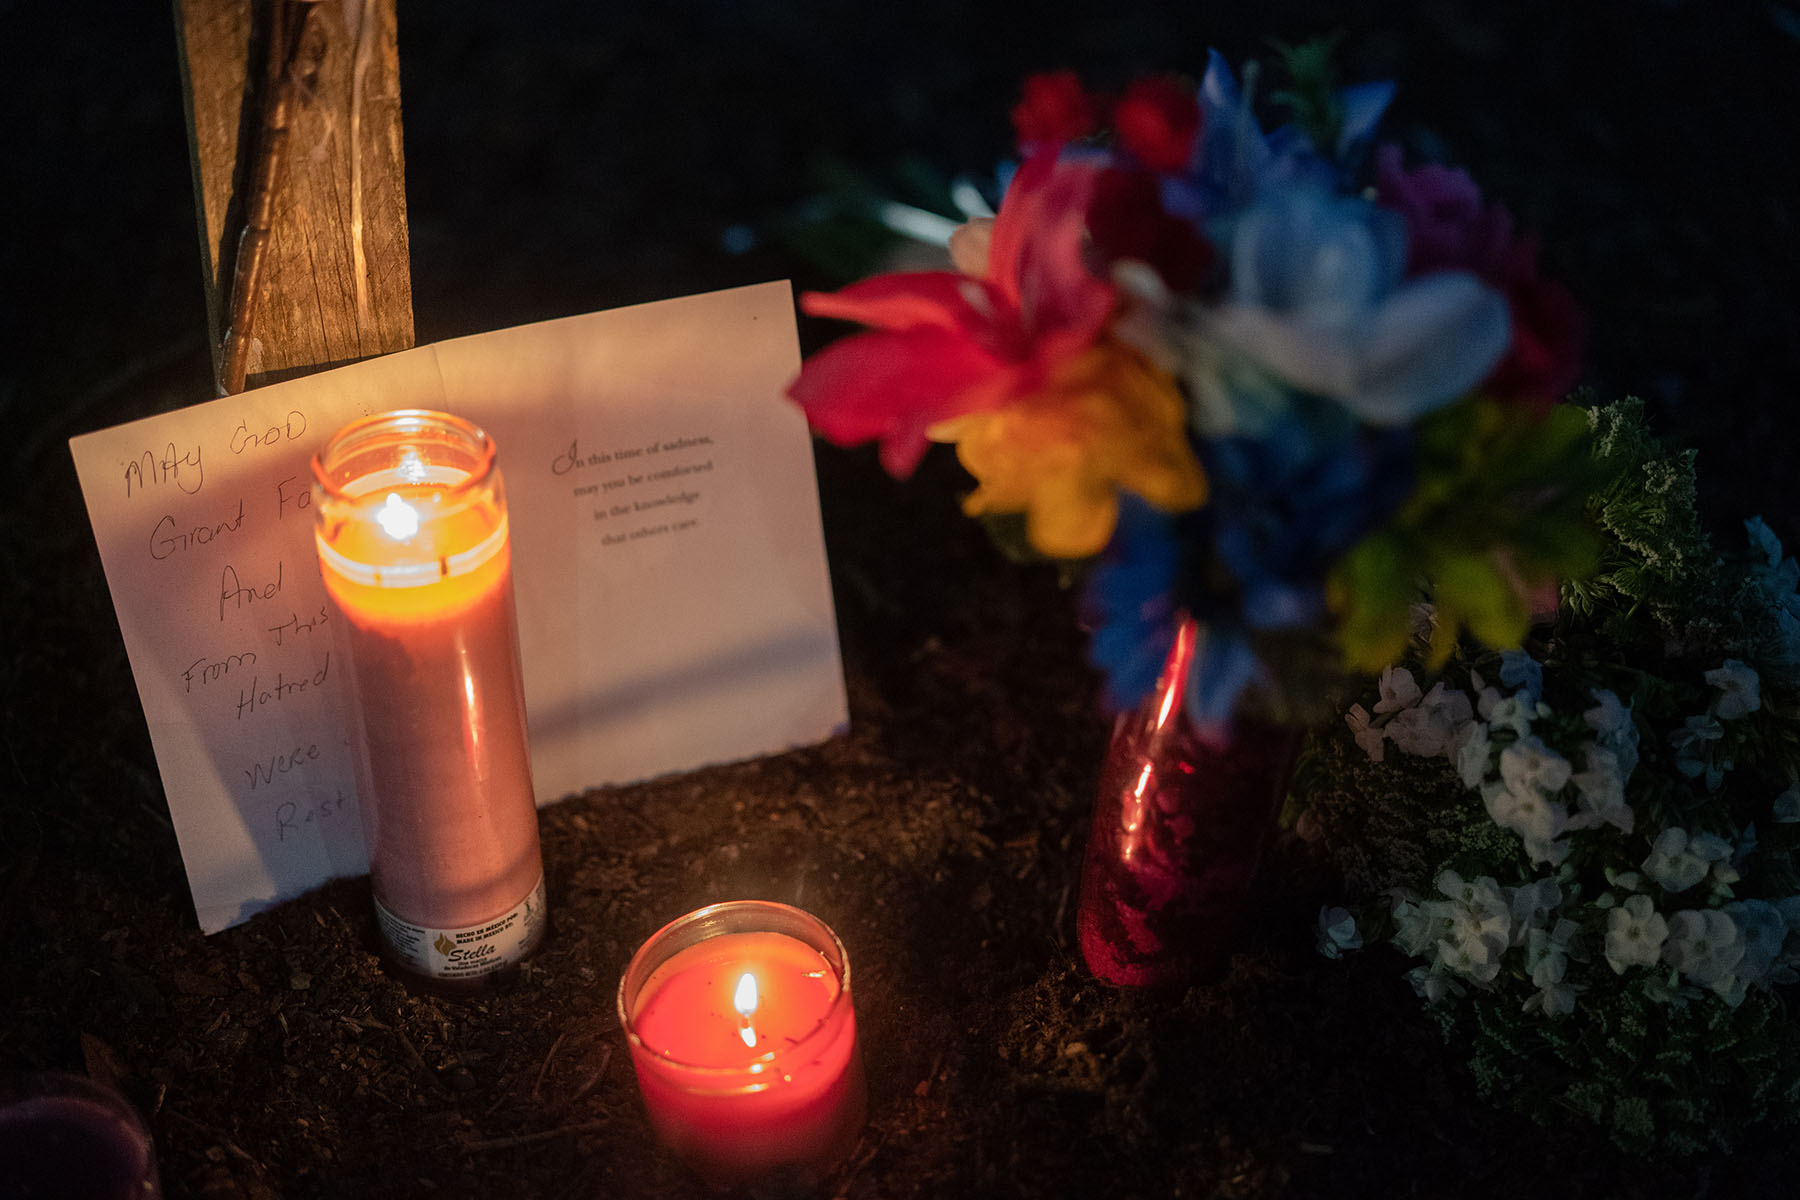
(65, 1137)
(743, 1035)
(411, 529)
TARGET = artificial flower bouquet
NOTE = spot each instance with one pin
(1585, 851)
(1268, 383)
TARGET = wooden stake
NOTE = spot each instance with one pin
(299, 182)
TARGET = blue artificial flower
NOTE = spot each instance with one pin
(1284, 508)
(1318, 300)
(1133, 605)
(1224, 665)
(1287, 505)
(1237, 161)
(1128, 603)
(1777, 575)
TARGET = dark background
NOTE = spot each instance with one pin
(573, 156)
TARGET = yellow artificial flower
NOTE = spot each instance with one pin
(1107, 420)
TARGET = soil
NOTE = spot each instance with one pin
(567, 157)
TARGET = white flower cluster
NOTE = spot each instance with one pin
(1471, 932)
(1778, 576)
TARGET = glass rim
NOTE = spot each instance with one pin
(700, 916)
(406, 420)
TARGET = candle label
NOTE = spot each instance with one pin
(472, 952)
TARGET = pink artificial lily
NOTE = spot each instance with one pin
(945, 345)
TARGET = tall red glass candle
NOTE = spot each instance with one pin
(411, 530)
(744, 1039)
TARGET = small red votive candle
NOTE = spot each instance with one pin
(744, 1039)
(64, 1137)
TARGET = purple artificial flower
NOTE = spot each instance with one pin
(1450, 229)
(1447, 226)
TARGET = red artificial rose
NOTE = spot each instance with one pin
(1549, 333)
(1449, 227)
(1159, 120)
(1054, 108)
(1126, 220)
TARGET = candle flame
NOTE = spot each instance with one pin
(398, 518)
(744, 1000)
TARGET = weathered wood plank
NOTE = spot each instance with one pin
(335, 284)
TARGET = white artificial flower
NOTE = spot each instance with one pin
(1371, 738)
(1432, 726)
(1740, 691)
(1529, 764)
(1483, 894)
(969, 244)
(1787, 806)
(1547, 958)
(1547, 851)
(1678, 862)
(1557, 999)
(1510, 712)
(1337, 932)
(1478, 900)
(1787, 965)
(1764, 539)
(1453, 704)
(1602, 793)
(1480, 926)
(1419, 924)
(1538, 820)
(1431, 983)
(1472, 756)
(1635, 933)
(1485, 697)
(1476, 958)
(1763, 930)
(1608, 715)
(1704, 945)
(1398, 690)
(1519, 670)
(1611, 722)
(1629, 881)
(1414, 928)
(1715, 850)
(1693, 749)
(1531, 905)
(1732, 988)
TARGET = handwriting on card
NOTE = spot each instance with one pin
(213, 527)
(623, 435)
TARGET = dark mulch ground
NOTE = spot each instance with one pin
(569, 157)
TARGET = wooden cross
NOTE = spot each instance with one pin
(299, 178)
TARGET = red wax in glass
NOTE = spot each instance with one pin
(745, 1095)
(74, 1147)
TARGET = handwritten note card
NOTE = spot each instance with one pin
(674, 607)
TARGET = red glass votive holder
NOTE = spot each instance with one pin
(743, 1035)
(63, 1137)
